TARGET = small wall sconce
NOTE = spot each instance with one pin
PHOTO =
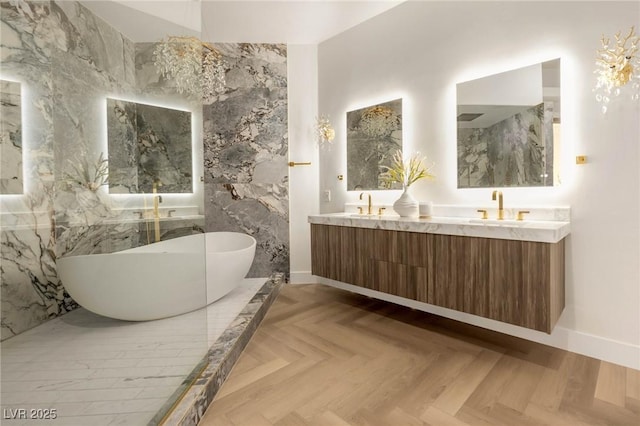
(617, 65)
(325, 131)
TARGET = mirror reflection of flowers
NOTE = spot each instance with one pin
(325, 130)
(379, 121)
(407, 172)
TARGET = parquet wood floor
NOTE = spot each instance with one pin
(326, 357)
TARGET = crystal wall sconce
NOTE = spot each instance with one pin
(617, 67)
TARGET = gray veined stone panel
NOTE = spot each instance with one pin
(11, 179)
(30, 290)
(246, 137)
(260, 210)
(101, 44)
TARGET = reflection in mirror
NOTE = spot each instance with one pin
(374, 135)
(508, 128)
(148, 144)
(10, 138)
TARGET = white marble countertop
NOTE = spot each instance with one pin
(546, 231)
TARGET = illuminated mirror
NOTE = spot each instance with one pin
(11, 181)
(148, 145)
(508, 128)
(374, 134)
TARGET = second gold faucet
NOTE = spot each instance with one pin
(369, 203)
(500, 203)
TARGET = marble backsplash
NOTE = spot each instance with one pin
(70, 61)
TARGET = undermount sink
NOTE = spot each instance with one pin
(365, 215)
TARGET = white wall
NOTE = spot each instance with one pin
(420, 50)
(302, 63)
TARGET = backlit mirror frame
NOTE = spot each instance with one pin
(508, 128)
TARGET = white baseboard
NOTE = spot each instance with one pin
(613, 351)
(303, 277)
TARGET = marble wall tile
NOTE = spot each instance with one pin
(260, 210)
(245, 128)
(246, 151)
(30, 291)
(97, 42)
(10, 138)
(60, 59)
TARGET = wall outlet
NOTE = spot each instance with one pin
(326, 195)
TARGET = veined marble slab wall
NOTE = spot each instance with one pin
(67, 60)
(70, 61)
(10, 138)
(245, 153)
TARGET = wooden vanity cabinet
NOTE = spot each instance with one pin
(517, 282)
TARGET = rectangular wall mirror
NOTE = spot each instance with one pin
(508, 128)
(148, 145)
(374, 134)
(11, 179)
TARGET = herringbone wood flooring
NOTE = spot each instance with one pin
(326, 357)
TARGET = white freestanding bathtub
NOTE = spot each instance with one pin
(159, 280)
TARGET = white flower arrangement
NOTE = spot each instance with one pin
(407, 173)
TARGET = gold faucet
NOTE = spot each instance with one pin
(157, 199)
(500, 203)
(369, 205)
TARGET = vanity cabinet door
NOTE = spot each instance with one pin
(461, 273)
(526, 283)
(401, 262)
(326, 258)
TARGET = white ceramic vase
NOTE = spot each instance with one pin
(406, 205)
